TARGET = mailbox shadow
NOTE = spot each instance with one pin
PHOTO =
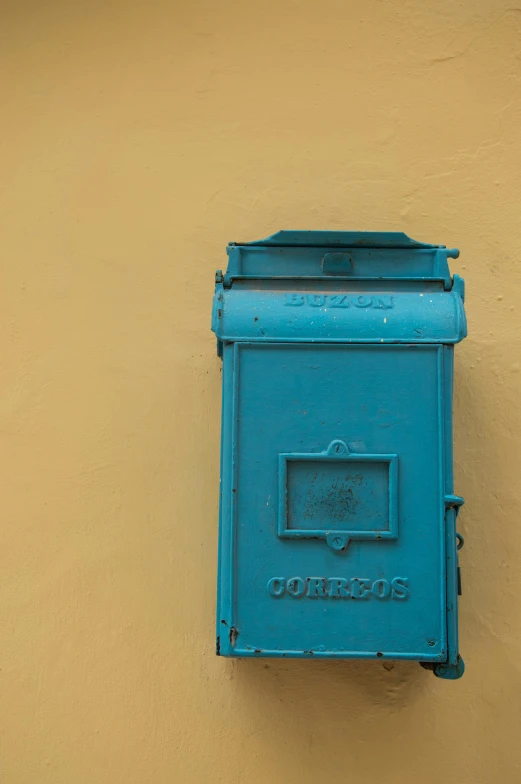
(389, 683)
(328, 718)
(318, 714)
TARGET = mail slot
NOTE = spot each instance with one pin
(337, 533)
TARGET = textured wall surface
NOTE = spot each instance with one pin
(138, 138)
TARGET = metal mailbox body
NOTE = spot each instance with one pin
(337, 529)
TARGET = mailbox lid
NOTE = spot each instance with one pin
(339, 313)
(340, 286)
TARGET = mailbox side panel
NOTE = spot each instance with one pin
(384, 403)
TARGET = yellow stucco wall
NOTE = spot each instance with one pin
(138, 138)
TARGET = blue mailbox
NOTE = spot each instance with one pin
(337, 509)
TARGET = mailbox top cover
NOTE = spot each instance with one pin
(338, 286)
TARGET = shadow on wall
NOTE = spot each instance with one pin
(330, 686)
